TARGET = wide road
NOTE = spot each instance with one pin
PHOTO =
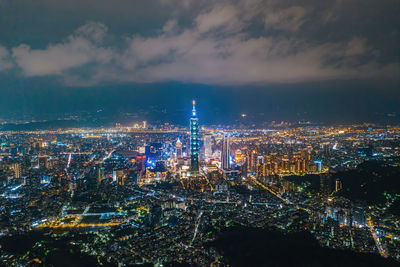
(254, 179)
(378, 242)
(197, 227)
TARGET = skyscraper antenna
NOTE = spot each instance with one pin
(194, 108)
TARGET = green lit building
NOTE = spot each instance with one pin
(194, 142)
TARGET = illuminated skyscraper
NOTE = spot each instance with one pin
(252, 161)
(225, 153)
(178, 148)
(17, 170)
(207, 147)
(100, 174)
(194, 141)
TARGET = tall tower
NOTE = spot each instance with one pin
(17, 169)
(254, 163)
(194, 141)
(207, 147)
(178, 148)
(100, 174)
(225, 153)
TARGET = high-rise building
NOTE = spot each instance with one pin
(178, 148)
(207, 146)
(141, 163)
(338, 185)
(17, 170)
(225, 153)
(252, 162)
(194, 141)
(119, 176)
(319, 165)
(100, 174)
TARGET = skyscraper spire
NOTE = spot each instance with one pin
(194, 109)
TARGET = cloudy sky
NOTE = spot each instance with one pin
(233, 48)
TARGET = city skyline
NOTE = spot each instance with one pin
(191, 187)
(333, 106)
(199, 133)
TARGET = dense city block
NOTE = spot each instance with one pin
(168, 195)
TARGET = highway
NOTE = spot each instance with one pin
(204, 175)
(197, 227)
(254, 179)
(378, 242)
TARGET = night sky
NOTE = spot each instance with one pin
(325, 61)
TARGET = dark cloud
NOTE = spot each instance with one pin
(5, 60)
(213, 42)
(81, 48)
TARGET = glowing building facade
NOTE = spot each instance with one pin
(207, 147)
(194, 141)
(225, 153)
(178, 148)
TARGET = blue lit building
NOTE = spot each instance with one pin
(194, 142)
(225, 155)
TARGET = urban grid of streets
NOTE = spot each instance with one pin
(128, 194)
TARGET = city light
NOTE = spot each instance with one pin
(199, 133)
